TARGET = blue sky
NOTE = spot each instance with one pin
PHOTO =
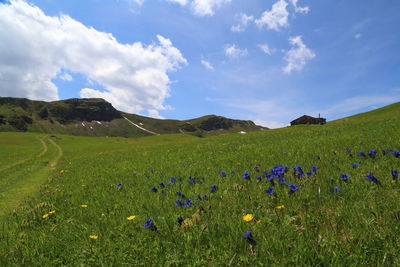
(266, 61)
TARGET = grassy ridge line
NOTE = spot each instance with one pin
(23, 180)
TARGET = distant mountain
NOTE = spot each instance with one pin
(97, 117)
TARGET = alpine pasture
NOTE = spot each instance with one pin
(303, 195)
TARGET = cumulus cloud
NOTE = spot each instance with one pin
(34, 47)
(207, 7)
(181, 2)
(233, 52)
(276, 18)
(207, 64)
(243, 22)
(298, 56)
(66, 77)
(298, 9)
(265, 48)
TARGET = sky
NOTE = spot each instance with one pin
(269, 61)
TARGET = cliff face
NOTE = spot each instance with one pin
(97, 117)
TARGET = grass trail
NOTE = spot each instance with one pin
(23, 179)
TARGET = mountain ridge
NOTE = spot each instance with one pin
(97, 117)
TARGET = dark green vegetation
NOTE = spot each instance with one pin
(96, 117)
(317, 225)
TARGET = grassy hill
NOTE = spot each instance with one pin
(96, 117)
(310, 195)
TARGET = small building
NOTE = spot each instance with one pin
(308, 120)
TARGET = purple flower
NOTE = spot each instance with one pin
(149, 224)
(293, 188)
(348, 150)
(355, 165)
(249, 238)
(270, 191)
(187, 203)
(256, 168)
(345, 177)
(232, 172)
(223, 174)
(246, 176)
(309, 174)
(162, 185)
(395, 174)
(213, 188)
(335, 189)
(282, 180)
(180, 220)
(396, 154)
(172, 179)
(314, 169)
(154, 189)
(120, 186)
(178, 202)
(362, 154)
(258, 178)
(372, 153)
(371, 177)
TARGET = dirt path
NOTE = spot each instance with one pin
(140, 127)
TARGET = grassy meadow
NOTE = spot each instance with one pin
(67, 200)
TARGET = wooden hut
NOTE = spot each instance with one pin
(308, 120)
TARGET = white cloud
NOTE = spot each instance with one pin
(66, 77)
(270, 124)
(265, 48)
(243, 22)
(207, 7)
(354, 104)
(181, 2)
(34, 47)
(207, 64)
(298, 56)
(298, 9)
(357, 36)
(276, 18)
(233, 52)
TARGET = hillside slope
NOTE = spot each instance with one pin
(97, 117)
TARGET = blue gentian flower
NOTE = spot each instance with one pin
(293, 188)
(179, 194)
(172, 179)
(348, 150)
(154, 189)
(309, 174)
(396, 154)
(258, 178)
(213, 188)
(345, 177)
(395, 174)
(120, 186)
(362, 154)
(282, 180)
(256, 168)
(335, 189)
(162, 185)
(149, 224)
(355, 165)
(372, 153)
(270, 191)
(178, 202)
(249, 238)
(372, 178)
(223, 174)
(246, 176)
(314, 169)
(180, 220)
(187, 203)
(232, 172)
(192, 180)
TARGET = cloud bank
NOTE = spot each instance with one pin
(34, 47)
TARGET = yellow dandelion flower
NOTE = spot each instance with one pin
(280, 207)
(248, 217)
(259, 221)
(84, 206)
(45, 216)
(93, 237)
(52, 212)
(62, 171)
(130, 218)
(83, 185)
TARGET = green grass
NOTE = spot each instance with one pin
(357, 226)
